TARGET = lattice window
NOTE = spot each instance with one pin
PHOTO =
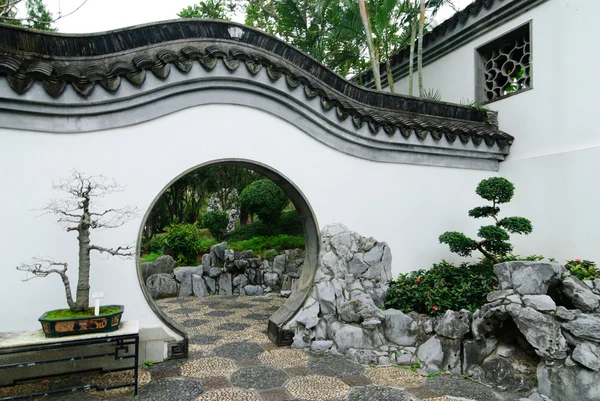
(505, 65)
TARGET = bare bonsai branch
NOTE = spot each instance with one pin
(119, 251)
(76, 213)
(43, 268)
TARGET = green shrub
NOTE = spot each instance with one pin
(186, 243)
(264, 198)
(151, 257)
(442, 287)
(216, 222)
(289, 223)
(241, 233)
(494, 244)
(261, 245)
(583, 269)
(155, 244)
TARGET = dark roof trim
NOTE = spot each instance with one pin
(32, 59)
(473, 21)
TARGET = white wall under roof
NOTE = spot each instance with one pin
(555, 159)
(407, 206)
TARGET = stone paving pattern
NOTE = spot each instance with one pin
(232, 359)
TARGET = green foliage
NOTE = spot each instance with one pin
(583, 269)
(241, 233)
(432, 94)
(38, 16)
(151, 257)
(186, 243)
(266, 199)
(155, 244)
(484, 211)
(459, 243)
(216, 222)
(496, 189)
(214, 9)
(516, 225)
(494, 244)
(68, 313)
(147, 364)
(289, 223)
(261, 245)
(441, 288)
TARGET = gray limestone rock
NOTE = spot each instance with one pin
(184, 276)
(162, 285)
(326, 297)
(215, 272)
(564, 314)
(375, 254)
(585, 326)
(500, 294)
(321, 346)
(342, 244)
(211, 285)
(580, 294)
(347, 336)
(253, 290)
(272, 280)
(399, 328)
(225, 284)
(588, 355)
(527, 278)
(475, 352)
(357, 265)
(217, 253)
(504, 375)
(453, 324)
(279, 264)
(541, 331)
(542, 303)
(206, 262)
(308, 315)
(164, 264)
(359, 308)
(431, 352)
(568, 383)
(198, 286)
(240, 281)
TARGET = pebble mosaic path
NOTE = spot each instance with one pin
(231, 359)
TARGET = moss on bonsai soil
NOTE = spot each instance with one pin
(68, 313)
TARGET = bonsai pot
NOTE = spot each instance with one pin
(58, 327)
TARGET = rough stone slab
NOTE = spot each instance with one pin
(453, 324)
(163, 265)
(431, 352)
(198, 286)
(348, 336)
(568, 383)
(527, 278)
(585, 326)
(184, 276)
(399, 328)
(588, 355)
(308, 316)
(321, 346)
(580, 294)
(162, 285)
(326, 297)
(542, 303)
(475, 352)
(225, 284)
(541, 331)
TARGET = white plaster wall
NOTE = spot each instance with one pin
(407, 206)
(554, 160)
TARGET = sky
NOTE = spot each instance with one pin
(105, 15)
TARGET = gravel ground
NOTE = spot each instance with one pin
(231, 359)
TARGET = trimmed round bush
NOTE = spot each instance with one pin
(216, 222)
(264, 198)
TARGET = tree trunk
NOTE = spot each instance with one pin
(411, 60)
(420, 49)
(367, 26)
(390, 77)
(82, 300)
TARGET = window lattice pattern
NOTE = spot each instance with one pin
(507, 67)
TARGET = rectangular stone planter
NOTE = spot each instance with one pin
(81, 325)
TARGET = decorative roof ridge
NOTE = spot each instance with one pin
(129, 53)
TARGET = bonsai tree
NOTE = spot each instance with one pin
(264, 198)
(494, 243)
(76, 214)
